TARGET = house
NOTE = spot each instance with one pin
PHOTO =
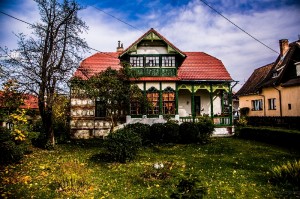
(30, 102)
(273, 90)
(181, 85)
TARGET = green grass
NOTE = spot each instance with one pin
(227, 167)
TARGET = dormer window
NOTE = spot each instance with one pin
(275, 74)
(297, 69)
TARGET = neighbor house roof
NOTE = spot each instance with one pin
(281, 72)
(258, 76)
(30, 101)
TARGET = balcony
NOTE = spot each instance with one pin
(155, 72)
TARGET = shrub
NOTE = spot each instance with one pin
(189, 132)
(242, 122)
(10, 152)
(206, 128)
(122, 145)
(171, 132)
(189, 187)
(141, 129)
(157, 133)
(288, 174)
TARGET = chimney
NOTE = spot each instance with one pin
(284, 46)
(120, 47)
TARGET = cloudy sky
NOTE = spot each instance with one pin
(189, 24)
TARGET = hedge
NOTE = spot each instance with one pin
(280, 137)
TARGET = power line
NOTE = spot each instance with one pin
(238, 26)
(16, 18)
(117, 18)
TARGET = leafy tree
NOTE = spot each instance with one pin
(47, 58)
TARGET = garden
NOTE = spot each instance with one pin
(132, 164)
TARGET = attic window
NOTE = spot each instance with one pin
(275, 74)
(298, 69)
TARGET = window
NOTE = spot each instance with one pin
(152, 61)
(135, 104)
(168, 61)
(257, 105)
(153, 99)
(272, 104)
(290, 106)
(169, 101)
(100, 108)
(137, 61)
(135, 107)
(298, 69)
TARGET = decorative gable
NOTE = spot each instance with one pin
(152, 39)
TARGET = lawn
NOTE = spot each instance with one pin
(227, 167)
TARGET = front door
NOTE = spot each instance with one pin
(197, 105)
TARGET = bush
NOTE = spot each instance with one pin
(189, 132)
(171, 132)
(10, 152)
(157, 133)
(143, 130)
(206, 128)
(287, 174)
(122, 145)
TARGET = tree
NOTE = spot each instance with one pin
(10, 98)
(113, 89)
(47, 58)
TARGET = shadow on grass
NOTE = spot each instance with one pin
(87, 143)
(101, 158)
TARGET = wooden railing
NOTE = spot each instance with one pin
(218, 121)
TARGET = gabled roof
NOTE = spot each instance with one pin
(152, 35)
(257, 77)
(281, 72)
(195, 66)
(282, 67)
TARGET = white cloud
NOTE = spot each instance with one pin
(192, 27)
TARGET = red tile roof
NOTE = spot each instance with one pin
(30, 102)
(97, 63)
(201, 66)
(196, 66)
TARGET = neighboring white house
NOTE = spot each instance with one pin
(182, 85)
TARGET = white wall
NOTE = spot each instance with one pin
(152, 50)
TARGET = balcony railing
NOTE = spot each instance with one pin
(155, 72)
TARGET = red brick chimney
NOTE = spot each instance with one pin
(284, 46)
(120, 47)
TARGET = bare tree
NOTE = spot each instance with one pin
(47, 58)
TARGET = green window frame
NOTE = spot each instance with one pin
(168, 98)
(153, 99)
